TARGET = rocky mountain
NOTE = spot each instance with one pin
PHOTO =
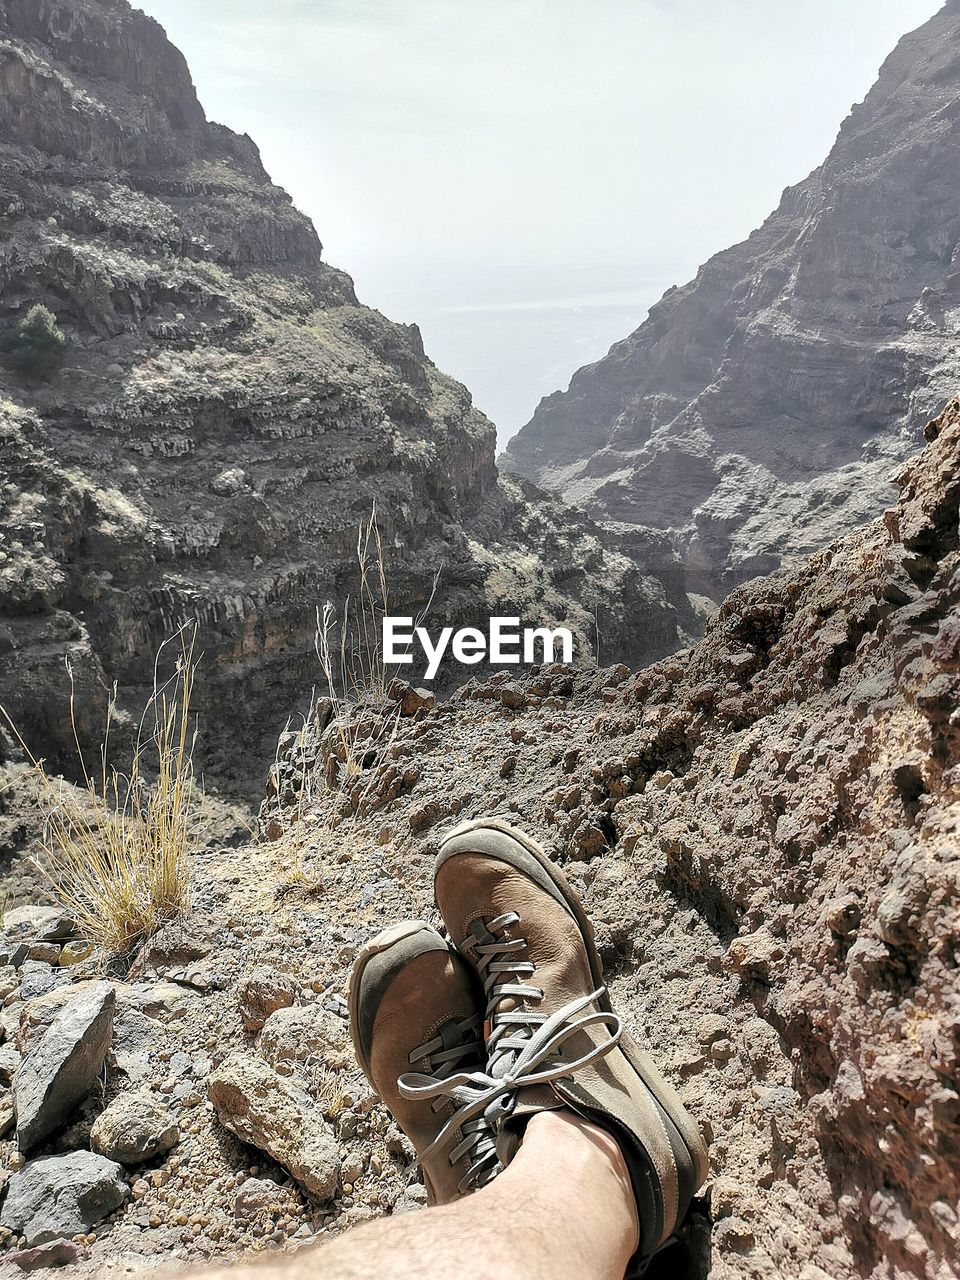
(765, 829)
(226, 416)
(764, 826)
(757, 412)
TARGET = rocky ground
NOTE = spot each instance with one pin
(757, 412)
(765, 830)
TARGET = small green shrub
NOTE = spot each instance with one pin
(37, 345)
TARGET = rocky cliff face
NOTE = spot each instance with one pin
(765, 829)
(757, 412)
(227, 416)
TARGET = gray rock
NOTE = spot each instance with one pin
(336, 1004)
(37, 978)
(413, 1197)
(6, 1112)
(14, 954)
(512, 696)
(62, 1066)
(254, 1195)
(171, 948)
(37, 1014)
(163, 1001)
(180, 1065)
(58, 1196)
(198, 977)
(9, 1022)
(137, 1039)
(229, 483)
(9, 1061)
(291, 1036)
(40, 924)
(9, 982)
(133, 1128)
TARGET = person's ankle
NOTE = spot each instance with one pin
(578, 1148)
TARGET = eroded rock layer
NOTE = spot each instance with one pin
(766, 829)
(758, 411)
(227, 416)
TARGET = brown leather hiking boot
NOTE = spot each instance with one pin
(415, 1012)
(552, 1038)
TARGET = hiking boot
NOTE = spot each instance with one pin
(414, 1010)
(552, 1038)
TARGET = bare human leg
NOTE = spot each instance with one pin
(564, 1209)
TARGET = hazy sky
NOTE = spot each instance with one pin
(525, 177)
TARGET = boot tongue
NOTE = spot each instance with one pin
(482, 936)
(504, 1061)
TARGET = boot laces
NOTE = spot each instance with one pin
(523, 1045)
(454, 1042)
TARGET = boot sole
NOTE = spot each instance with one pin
(662, 1091)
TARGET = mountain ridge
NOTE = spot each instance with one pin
(228, 416)
(757, 412)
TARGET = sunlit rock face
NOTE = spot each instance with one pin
(227, 416)
(757, 413)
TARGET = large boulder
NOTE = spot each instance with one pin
(133, 1128)
(59, 1196)
(272, 1114)
(60, 1069)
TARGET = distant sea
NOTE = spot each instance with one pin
(520, 335)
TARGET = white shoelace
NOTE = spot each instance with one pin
(453, 1042)
(522, 1045)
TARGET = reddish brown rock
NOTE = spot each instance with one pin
(262, 992)
(765, 830)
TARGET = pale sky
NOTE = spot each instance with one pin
(525, 177)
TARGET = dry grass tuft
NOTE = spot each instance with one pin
(322, 790)
(351, 657)
(329, 1086)
(352, 661)
(117, 848)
